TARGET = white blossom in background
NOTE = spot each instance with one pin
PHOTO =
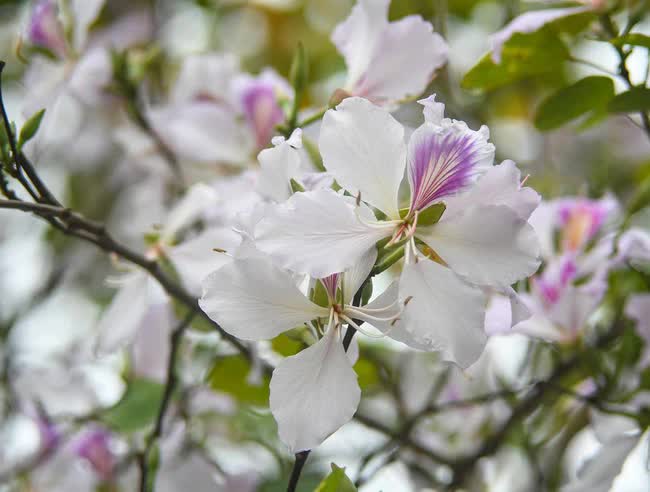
(378, 53)
(218, 114)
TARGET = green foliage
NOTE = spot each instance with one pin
(336, 481)
(308, 482)
(636, 99)
(295, 186)
(431, 215)
(634, 39)
(523, 56)
(229, 375)
(137, 409)
(30, 128)
(588, 95)
(367, 373)
(285, 345)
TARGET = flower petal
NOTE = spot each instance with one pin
(489, 246)
(254, 300)
(407, 46)
(445, 313)
(318, 233)
(356, 37)
(195, 259)
(500, 185)
(363, 147)
(189, 130)
(119, 323)
(354, 277)
(277, 166)
(314, 393)
(445, 159)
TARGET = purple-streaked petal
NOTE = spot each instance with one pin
(444, 160)
(94, 447)
(45, 29)
(262, 111)
(581, 219)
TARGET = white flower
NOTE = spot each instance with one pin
(482, 240)
(379, 53)
(314, 392)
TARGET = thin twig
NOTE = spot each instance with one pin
(171, 382)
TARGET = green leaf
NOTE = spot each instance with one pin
(432, 214)
(336, 481)
(308, 482)
(285, 345)
(636, 99)
(299, 74)
(585, 96)
(295, 186)
(230, 375)
(367, 374)
(137, 409)
(523, 56)
(30, 128)
(634, 39)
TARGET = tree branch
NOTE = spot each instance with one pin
(147, 472)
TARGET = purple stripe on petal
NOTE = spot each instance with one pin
(331, 283)
(442, 165)
(262, 111)
(94, 447)
(44, 28)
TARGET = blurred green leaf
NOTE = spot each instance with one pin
(30, 128)
(284, 345)
(336, 481)
(636, 99)
(523, 56)
(230, 375)
(590, 94)
(308, 482)
(137, 409)
(367, 374)
(634, 39)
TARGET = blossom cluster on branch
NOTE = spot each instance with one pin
(243, 276)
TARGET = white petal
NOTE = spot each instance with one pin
(85, 12)
(187, 210)
(190, 129)
(195, 259)
(277, 166)
(355, 276)
(445, 313)
(207, 76)
(395, 331)
(489, 245)
(363, 147)
(500, 185)
(407, 46)
(434, 112)
(576, 304)
(635, 474)
(597, 475)
(529, 22)
(318, 233)
(357, 37)
(254, 300)
(119, 323)
(314, 393)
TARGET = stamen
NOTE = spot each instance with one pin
(361, 330)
